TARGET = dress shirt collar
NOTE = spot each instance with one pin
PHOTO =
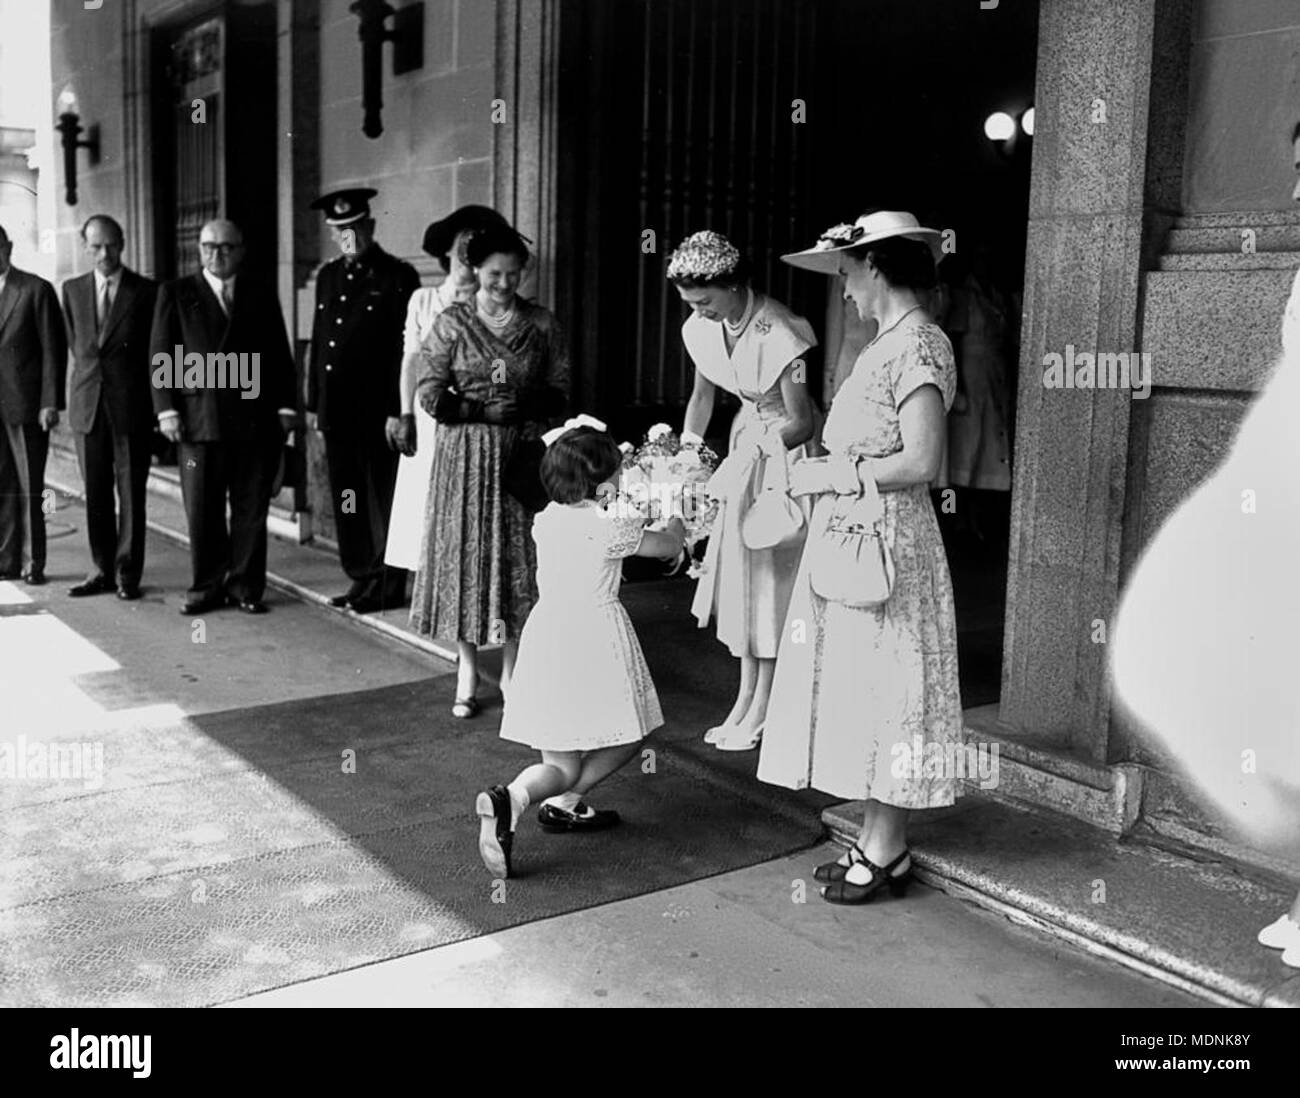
(217, 283)
(114, 280)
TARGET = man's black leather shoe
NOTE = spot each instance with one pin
(366, 604)
(583, 818)
(35, 578)
(96, 585)
(249, 606)
(128, 592)
(205, 604)
(341, 601)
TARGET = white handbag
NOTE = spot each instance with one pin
(774, 520)
(849, 562)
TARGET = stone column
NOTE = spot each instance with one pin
(525, 144)
(298, 247)
(1082, 278)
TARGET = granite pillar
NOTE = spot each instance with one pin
(525, 158)
(1086, 230)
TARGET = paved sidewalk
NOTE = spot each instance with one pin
(745, 939)
(1205, 947)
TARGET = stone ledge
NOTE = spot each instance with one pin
(1188, 922)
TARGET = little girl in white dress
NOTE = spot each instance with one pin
(581, 692)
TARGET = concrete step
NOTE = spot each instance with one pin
(1184, 917)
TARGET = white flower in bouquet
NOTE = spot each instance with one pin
(663, 480)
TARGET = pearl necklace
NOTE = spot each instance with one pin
(499, 321)
(739, 326)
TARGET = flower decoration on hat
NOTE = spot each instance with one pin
(838, 236)
(705, 256)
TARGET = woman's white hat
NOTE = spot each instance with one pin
(866, 230)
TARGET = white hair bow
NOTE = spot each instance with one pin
(572, 424)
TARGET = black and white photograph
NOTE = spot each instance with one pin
(711, 504)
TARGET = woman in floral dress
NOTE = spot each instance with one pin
(865, 702)
(498, 373)
(751, 345)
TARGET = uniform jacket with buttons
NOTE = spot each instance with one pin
(33, 348)
(113, 364)
(354, 369)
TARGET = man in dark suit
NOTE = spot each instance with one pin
(223, 388)
(33, 365)
(109, 311)
(353, 389)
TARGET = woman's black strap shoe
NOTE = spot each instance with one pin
(846, 892)
(829, 872)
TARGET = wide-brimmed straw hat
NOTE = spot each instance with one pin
(867, 229)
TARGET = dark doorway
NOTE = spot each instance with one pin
(214, 147)
(678, 115)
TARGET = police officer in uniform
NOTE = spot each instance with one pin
(353, 392)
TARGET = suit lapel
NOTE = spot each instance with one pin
(9, 296)
(209, 309)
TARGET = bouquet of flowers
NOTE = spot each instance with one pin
(663, 479)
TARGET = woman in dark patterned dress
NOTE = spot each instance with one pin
(498, 373)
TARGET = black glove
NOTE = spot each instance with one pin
(453, 408)
(405, 435)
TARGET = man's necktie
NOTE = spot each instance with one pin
(227, 298)
(102, 309)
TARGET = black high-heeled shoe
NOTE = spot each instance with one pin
(830, 872)
(846, 892)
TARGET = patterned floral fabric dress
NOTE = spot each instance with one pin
(864, 702)
(747, 591)
(581, 681)
(477, 581)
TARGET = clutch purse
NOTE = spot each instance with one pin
(774, 520)
(849, 562)
(522, 476)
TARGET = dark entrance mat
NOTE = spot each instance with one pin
(206, 875)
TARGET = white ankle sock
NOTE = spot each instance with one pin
(567, 801)
(518, 802)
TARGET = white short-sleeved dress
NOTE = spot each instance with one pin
(864, 700)
(581, 681)
(746, 591)
(406, 525)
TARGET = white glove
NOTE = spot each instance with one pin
(816, 476)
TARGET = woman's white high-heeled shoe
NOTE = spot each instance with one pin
(718, 732)
(738, 740)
